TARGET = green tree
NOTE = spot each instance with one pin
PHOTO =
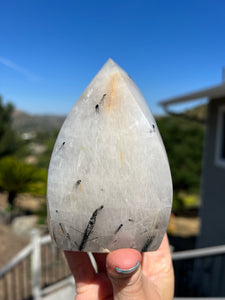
(183, 140)
(10, 142)
(18, 177)
(44, 158)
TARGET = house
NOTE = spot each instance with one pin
(212, 211)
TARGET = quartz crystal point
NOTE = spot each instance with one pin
(109, 181)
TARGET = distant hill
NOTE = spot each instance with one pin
(24, 122)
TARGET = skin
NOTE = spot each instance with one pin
(152, 279)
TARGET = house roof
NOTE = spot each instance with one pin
(214, 92)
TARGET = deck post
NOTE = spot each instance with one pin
(36, 265)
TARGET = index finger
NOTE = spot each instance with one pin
(81, 267)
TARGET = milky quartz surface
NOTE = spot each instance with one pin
(109, 182)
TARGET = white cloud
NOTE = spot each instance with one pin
(10, 64)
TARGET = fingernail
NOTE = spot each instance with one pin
(127, 271)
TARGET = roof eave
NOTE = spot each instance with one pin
(214, 92)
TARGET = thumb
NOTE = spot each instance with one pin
(124, 271)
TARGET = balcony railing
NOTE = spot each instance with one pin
(33, 270)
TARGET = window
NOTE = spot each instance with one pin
(220, 139)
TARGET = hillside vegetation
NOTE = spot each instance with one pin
(24, 122)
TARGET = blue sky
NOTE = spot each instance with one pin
(50, 50)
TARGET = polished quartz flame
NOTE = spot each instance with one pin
(109, 182)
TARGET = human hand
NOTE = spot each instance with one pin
(124, 274)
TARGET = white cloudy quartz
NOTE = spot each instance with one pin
(109, 181)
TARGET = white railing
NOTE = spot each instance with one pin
(17, 259)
